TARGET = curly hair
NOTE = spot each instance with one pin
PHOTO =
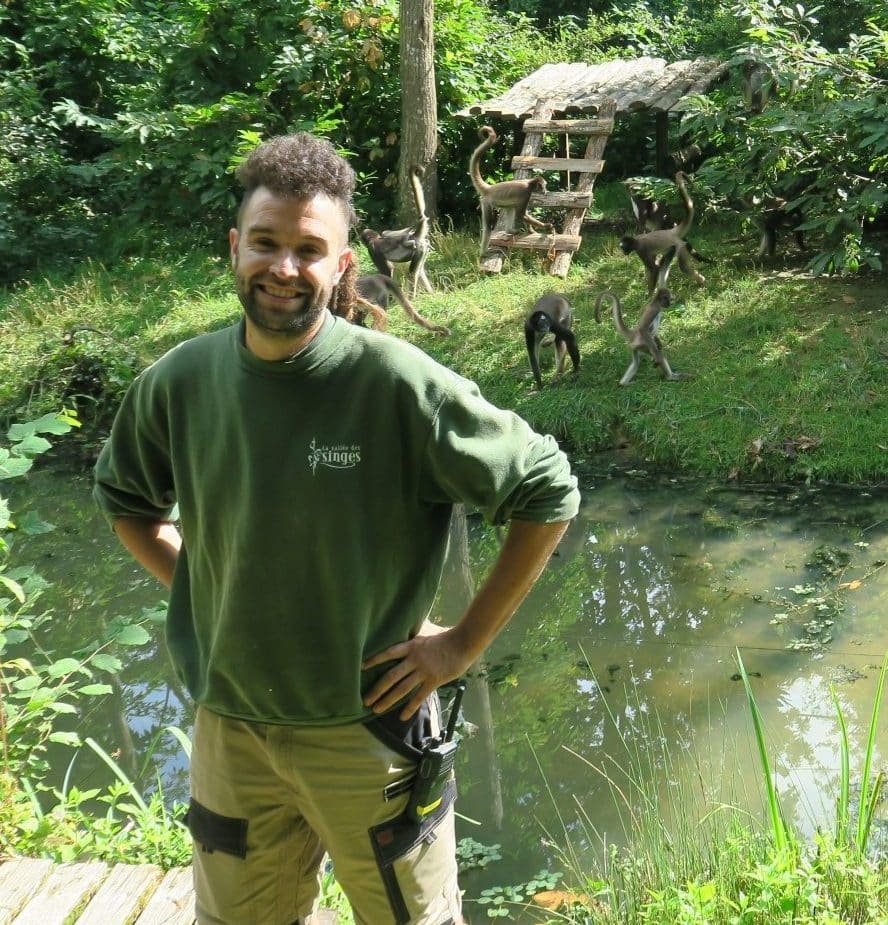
(299, 166)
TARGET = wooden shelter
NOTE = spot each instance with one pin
(577, 92)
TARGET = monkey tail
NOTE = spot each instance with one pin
(695, 253)
(488, 140)
(616, 310)
(685, 225)
(345, 296)
(416, 175)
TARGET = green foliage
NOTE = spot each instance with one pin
(38, 696)
(471, 854)
(821, 143)
(155, 105)
(502, 899)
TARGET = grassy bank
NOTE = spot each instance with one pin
(788, 375)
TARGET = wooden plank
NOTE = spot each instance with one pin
(172, 902)
(569, 126)
(559, 199)
(577, 164)
(122, 896)
(535, 242)
(20, 878)
(66, 891)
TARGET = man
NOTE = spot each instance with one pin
(315, 465)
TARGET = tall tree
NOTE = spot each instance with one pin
(419, 105)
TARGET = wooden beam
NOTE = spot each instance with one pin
(536, 242)
(569, 126)
(577, 164)
(20, 879)
(559, 199)
(123, 895)
(662, 141)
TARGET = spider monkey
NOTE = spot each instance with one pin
(405, 245)
(774, 217)
(551, 314)
(510, 194)
(374, 292)
(642, 338)
(649, 246)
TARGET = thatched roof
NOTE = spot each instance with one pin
(636, 84)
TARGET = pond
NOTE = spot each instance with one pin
(618, 673)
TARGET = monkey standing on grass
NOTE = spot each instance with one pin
(373, 294)
(510, 194)
(643, 337)
(405, 245)
(649, 246)
(551, 314)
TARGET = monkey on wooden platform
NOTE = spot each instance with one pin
(652, 245)
(551, 315)
(509, 194)
(405, 245)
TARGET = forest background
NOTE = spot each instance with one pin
(121, 123)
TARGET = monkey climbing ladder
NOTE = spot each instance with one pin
(562, 245)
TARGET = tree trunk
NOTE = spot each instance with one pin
(419, 107)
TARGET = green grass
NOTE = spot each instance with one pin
(788, 376)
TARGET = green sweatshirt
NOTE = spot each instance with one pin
(314, 498)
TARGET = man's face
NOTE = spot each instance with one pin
(287, 255)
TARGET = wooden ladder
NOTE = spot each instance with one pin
(560, 246)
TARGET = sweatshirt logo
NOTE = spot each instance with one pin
(333, 457)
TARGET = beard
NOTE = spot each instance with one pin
(285, 322)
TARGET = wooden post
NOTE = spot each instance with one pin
(662, 136)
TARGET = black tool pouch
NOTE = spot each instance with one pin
(395, 838)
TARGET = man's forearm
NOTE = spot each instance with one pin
(154, 544)
(527, 549)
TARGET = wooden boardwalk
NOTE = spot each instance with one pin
(37, 892)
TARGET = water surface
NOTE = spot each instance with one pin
(620, 664)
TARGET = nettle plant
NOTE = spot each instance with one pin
(40, 691)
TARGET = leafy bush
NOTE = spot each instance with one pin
(39, 693)
(165, 102)
(821, 143)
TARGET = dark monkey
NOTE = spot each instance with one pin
(687, 158)
(650, 214)
(551, 314)
(375, 291)
(774, 217)
(510, 194)
(649, 246)
(405, 245)
(758, 82)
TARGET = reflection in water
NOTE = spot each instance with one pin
(623, 656)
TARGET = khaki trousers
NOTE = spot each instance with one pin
(268, 800)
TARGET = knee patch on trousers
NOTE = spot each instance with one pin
(214, 832)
